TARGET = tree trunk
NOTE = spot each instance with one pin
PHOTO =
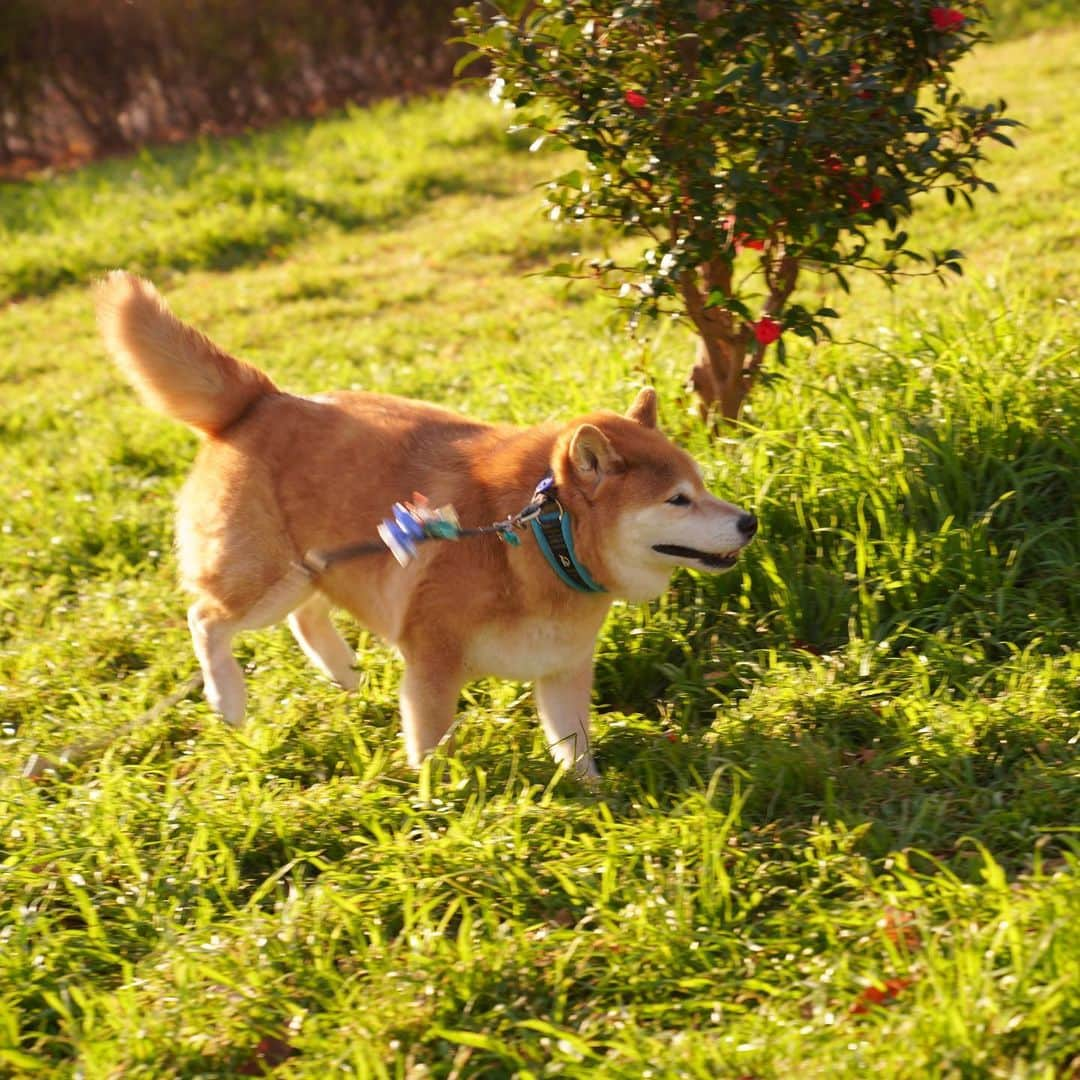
(729, 352)
(719, 377)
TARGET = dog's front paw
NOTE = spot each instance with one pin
(585, 771)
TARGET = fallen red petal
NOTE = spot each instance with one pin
(878, 995)
(269, 1054)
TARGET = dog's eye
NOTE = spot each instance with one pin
(679, 500)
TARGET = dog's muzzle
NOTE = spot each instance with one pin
(715, 560)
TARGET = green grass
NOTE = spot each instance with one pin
(837, 835)
(1014, 18)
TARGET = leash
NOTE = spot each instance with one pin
(38, 764)
(416, 522)
(411, 524)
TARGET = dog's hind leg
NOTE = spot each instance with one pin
(223, 681)
(212, 631)
(321, 642)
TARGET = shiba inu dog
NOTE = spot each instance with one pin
(279, 475)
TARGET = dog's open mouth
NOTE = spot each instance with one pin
(719, 560)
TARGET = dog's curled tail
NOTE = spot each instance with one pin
(175, 369)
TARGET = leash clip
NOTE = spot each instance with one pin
(543, 493)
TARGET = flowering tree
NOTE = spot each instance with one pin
(749, 141)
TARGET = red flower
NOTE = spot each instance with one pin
(767, 330)
(636, 100)
(946, 19)
(862, 196)
(740, 240)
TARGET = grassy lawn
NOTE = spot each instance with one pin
(837, 834)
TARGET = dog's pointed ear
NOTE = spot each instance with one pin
(643, 411)
(592, 455)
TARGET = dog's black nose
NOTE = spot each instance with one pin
(747, 525)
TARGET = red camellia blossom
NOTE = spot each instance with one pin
(767, 330)
(946, 19)
(863, 196)
(740, 240)
(636, 100)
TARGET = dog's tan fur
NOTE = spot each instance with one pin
(279, 475)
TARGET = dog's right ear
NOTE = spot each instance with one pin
(592, 455)
(643, 411)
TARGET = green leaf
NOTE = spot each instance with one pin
(463, 62)
(26, 1062)
(563, 1035)
(478, 1040)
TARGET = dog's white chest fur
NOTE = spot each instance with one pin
(531, 648)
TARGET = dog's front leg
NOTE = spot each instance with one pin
(429, 697)
(563, 703)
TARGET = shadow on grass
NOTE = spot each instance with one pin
(996, 767)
